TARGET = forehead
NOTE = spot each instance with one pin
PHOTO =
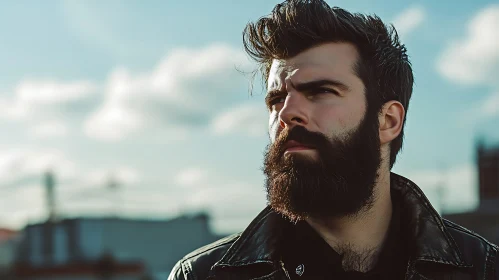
(329, 60)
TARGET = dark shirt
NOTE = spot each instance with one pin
(305, 252)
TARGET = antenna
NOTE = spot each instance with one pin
(49, 182)
(114, 186)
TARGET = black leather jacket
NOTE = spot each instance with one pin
(439, 248)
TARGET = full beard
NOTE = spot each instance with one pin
(339, 183)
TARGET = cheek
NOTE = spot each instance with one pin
(329, 119)
(337, 120)
(273, 126)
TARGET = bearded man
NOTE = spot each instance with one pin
(338, 91)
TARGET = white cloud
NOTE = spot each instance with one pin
(18, 165)
(122, 176)
(50, 129)
(185, 88)
(248, 119)
(43, 105)
(33, 98)
(112, 122)
(409, 20)
(474, 59)
(52, 92)
(483, 109)
(191, 176)
(490, 106)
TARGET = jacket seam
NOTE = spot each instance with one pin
(188, 271)
(494, 261)
(248, 263)
(489, 262)
(431, 259)
(486, 266)
(411, 271)
(421, 276)
(465, 230)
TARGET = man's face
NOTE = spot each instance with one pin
(324, 152)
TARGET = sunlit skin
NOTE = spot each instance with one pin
(318, 89)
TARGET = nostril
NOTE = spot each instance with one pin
(298, 120)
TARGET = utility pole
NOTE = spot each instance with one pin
(113, 185)
(49, 182)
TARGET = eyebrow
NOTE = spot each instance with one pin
(307, 86)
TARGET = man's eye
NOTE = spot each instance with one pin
(276, 100)
(324, 90)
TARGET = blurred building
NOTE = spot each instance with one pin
(485, 219)
(108, 248)
(8, 248)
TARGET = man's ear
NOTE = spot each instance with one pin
(391, 119)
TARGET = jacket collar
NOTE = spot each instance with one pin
(258, 243)
(425, 228)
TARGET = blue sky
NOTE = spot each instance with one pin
(147, 93)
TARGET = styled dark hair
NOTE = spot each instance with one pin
(297, 25)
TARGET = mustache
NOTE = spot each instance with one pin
(302, 135)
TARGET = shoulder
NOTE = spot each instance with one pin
(469, 239)
(475, 248)
(213, 252)
(197, 264)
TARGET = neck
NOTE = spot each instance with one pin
(359, 237)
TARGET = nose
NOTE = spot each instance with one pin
(293, 111)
